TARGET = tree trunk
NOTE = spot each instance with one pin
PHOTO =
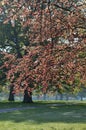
(27, 97)
(44, 97)
(81, 97)
(56, 97)
(11, 94)
(61, 96)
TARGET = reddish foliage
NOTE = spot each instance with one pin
(48, 63)
(45, 67)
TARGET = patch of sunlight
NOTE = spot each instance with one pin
(8, 125)
(68, 113)
(72, 114)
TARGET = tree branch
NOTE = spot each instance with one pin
(64, 8)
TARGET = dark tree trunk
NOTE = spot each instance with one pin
(11, 94)
(27, 97)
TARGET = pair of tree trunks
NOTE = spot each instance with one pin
(27, 96)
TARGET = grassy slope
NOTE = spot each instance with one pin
(46, 116)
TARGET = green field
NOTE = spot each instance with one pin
(44, 116)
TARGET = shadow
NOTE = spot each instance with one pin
(44, 112)
(7, 104)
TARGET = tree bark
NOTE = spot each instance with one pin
(81, 97)
(27, 97)
(11, 94)
(61, 96)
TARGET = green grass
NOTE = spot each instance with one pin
(45, 116)
(7, 104)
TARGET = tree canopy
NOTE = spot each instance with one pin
(56, 55)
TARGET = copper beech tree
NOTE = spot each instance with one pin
(56, 55)
(60, 69)
(47, 19)
(42, 68)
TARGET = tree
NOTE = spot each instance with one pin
(40, 68)
(49, 63)
(65, 19)
(13, 43)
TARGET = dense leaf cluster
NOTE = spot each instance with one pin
(55, 57)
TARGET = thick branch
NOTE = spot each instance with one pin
(64, 8)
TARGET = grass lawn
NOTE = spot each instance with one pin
(44, 116)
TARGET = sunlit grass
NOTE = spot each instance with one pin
(45, 116)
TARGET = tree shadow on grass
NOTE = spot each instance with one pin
(46, 112)
(6, 104)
